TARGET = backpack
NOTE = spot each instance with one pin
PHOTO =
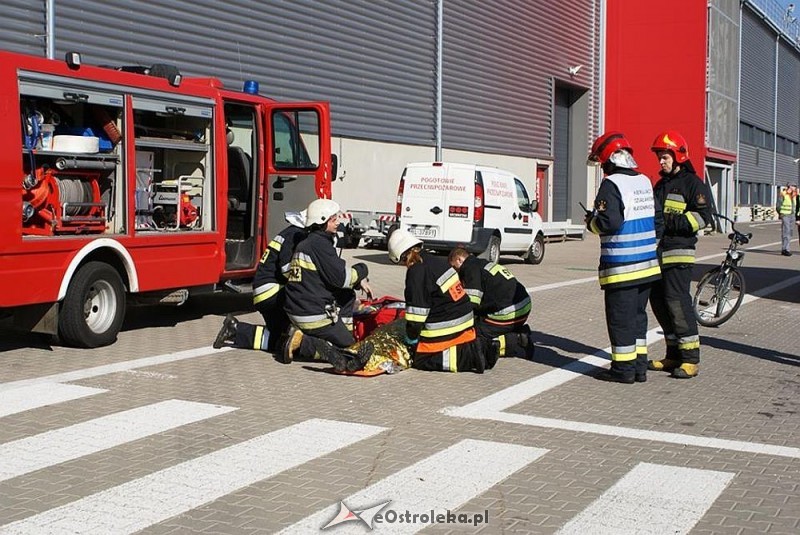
(372, 313)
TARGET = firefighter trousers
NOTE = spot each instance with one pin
(276, 323)
(507, 334)
(475, 356)
(337, 334)
(671, 301)
(626, 320)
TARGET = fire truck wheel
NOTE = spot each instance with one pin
(92, 311)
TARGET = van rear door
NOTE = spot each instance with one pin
(439, 201)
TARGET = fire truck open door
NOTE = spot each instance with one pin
(299, 167)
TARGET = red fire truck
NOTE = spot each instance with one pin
(127, 183)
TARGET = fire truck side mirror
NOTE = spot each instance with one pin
(73, 60)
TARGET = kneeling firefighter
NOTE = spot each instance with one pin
(501, 304)
(320, 295)
(440, 326)
(269, 297)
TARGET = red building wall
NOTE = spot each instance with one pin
(656, 74)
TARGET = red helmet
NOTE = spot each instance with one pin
(674, 142)
(608, 144)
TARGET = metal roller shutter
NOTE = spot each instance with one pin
(758, 73)
(23, 27)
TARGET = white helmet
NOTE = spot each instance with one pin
(296, 219)
(320, 210)
(401, 241)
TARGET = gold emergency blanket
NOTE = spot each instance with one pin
(391, 353)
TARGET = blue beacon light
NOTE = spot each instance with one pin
(251, 87)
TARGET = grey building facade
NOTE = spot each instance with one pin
(512, 83)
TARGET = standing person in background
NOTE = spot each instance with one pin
(501, 304)
(624, 217)
(787, 212)
(320, 295)
(269, 296)
(684, 200)
(440, 327)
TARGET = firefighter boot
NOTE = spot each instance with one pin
(686, 371)
(663, 365)
(291, 344)
(619, 373)
(227, 332)
(641, 368)
(360, 358)
(526, 342)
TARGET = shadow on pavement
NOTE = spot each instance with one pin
(757, 352)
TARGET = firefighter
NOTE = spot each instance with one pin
(320, 295)
(440, 327)
(269, 297)
(684, 199)
(624, 217)
(500, 303)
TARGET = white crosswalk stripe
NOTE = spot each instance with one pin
(60, 445)
(40, 395)
(651, 499)
(440, 483)
(143, 502)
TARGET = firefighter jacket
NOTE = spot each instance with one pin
(684, 202)
(494, 291)
(315, 275)
(273, 267)
(438, 311)
(624, 217)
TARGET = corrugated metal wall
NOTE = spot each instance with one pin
(758, 72)
(500, 59)
(722, 121)
(757, 95)
(23, 26)
(758, 100)
(375, 61)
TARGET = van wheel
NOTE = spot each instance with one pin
(94, 307)
(536, 251)
(492, 252)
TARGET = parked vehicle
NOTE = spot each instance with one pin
(484, 209)
(137, 183)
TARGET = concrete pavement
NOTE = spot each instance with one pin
(159, 433)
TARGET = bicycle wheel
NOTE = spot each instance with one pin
(718, 296)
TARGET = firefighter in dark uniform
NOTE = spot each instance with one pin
(269, 297)
(440, 327)
(320, 294)
(500, 303)
(684, 199)
(624, 217)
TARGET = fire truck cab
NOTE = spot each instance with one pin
(125, 183)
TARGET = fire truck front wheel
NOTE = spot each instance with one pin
(92, 311)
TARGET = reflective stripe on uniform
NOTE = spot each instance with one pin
(276, 243)
(436, 347)
(695, 220)
(514, 311)
(674, 203)
(689, 342)
(678, 256)
(443, 328)
(450, 360)
(265, 291)
(304, 261)
(258, 341)
(311, 322)
(447, 280)
(623, 353)
(629, 272)
(417, 314)
(641, 346)
(593, 226)
(502, 340)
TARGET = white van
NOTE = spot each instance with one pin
(486, 210)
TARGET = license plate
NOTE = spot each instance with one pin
(423, 232)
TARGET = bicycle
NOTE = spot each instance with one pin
(720, 291)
